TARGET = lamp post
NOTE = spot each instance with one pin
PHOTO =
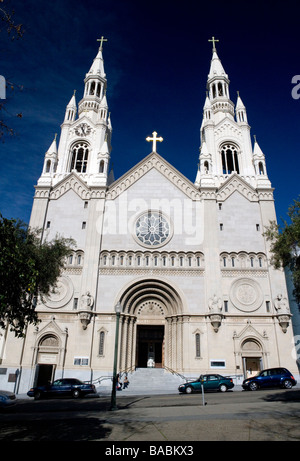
(118, 310)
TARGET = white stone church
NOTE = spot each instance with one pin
(188, 262)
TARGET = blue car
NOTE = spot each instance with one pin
(62, 388)
(273, 377)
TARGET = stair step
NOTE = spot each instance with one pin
(151, 380)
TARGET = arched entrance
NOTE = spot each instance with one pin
(47, 359)
(252, 357)
(151, 326)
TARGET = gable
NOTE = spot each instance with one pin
(236, 184)
(70, 182)
(156, 162)
(227, 128)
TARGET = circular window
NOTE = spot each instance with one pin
(152, 229)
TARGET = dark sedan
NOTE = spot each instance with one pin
(212, 382)
(272, 377)
(66, 387)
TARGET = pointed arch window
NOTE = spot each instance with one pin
(79, 157)
(197, 344)
(101, 167)
(261, 168)
(48, 166)
(230, 163)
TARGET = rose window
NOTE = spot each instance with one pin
(152, 229)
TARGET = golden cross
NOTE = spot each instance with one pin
(101, 40)
(214, 40)
(154, 139)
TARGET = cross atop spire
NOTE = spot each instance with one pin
(101, 40)
(214, 40)
(154, 139)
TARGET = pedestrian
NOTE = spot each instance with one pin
(119, 384)
(125, 382)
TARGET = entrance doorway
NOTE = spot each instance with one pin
(252, 366)
(44, 374)
(149, 346)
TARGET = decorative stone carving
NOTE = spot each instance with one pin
(87, 301)
(283, 312)
(86, 307)
(215, 312)
(61, 294)
(246, 295)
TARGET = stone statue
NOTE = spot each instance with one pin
(215, 304)
(281, 304)
(87, 301)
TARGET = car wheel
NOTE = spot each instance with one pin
(253, 386)
(223, 388)
(287, 384)
(37, 395)
(76, 393)
(188, 390)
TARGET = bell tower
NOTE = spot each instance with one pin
(85, 140)
(225, 141)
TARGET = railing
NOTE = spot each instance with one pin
(174, 372)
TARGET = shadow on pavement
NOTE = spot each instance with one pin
(292, 395)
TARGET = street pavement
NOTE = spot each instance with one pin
(268, 415)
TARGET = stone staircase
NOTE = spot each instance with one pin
(149, 381)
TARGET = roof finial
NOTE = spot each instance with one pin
(213, 40)
(101, 40)
(154, 139)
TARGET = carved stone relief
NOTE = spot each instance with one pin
(246, 295)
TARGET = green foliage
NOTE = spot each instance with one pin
(285, 245)
(28, 269)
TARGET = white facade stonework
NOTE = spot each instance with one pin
(187, 261)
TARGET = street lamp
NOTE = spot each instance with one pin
(113, 406)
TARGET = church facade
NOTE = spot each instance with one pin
(187, 262)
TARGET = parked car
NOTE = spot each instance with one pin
(7, 399)
(273, 377)
(62, 388)
(212, 382)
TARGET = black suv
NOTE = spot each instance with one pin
(273, 377)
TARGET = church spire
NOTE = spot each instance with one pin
(95, 88)
(71, 109)
(218, 87)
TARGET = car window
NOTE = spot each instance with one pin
(275, 371)
(264, 373)
(203, 378)
(212, 378)
(58, 382)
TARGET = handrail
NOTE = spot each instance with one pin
(175, 372)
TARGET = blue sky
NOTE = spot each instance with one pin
(156, 60)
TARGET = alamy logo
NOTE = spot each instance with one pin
(2, 87)
(296, 89)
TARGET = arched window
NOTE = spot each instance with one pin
(48, 166)
(101, 343)
(229, 156)
(98, 90)
(220, 89)
(92, 88)
(197, 344)
(261, 168)
(79, 158)
(101, 167)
